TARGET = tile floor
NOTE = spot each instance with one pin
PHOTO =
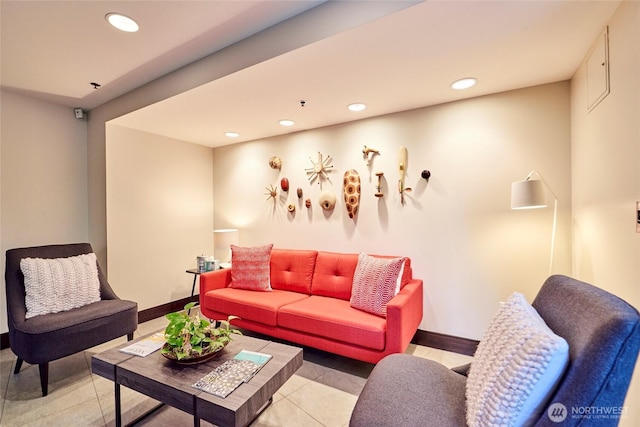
(322, 392)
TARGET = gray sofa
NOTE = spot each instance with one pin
(603, 333)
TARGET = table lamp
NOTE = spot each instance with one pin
(222, 240)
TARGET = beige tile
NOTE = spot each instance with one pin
(447, 358)
(7, 362)
(70, 385)
(133, 405)
(84, 414)
(330, 406)
(285, 413)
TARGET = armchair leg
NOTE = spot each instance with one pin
(44, 378)
(18, 366)
(129, 336)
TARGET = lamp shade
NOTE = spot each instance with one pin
(222, 241)
(528, 194)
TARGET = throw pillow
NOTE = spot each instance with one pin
(516, 367)
(53, 285)
(250, 268)
(375, 282)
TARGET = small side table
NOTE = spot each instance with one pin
(195, 273)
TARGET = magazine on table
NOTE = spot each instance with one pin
(228, 376)
(260, 359)
(145, 346)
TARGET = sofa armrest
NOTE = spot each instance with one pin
(404, 314)
(211, 280)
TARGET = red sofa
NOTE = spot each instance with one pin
(309, 305)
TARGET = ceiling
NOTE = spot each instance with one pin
(403, 60)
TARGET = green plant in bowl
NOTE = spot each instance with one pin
(191, 337)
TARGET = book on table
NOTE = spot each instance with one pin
(227, 377)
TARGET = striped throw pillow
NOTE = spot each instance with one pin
(250, 268)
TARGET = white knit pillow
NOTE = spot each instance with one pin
(515, 369)
(59, 284)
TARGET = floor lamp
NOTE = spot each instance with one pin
(529, 194)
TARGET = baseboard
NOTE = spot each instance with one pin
(4, 340)
(161, 310)
(445, 342)
(426, 338)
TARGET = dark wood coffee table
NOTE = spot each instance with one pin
(171, 383)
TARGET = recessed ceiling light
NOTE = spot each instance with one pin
(465, 83)
(287, 122)
(356, 107)
(122, 22)
(232, 134)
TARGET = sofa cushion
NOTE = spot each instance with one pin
(53, 285)
(248, 305)
(333, 275)
(292, 270)
(250, 268)
(375, 282)
(335, 319)
(516, 367)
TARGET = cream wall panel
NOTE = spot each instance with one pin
(159, 214)
(605, 145)
(466, 244)
(43, 177)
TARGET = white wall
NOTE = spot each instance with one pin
(470, 249)
(43, 185)
(605, 147)
(159, 214)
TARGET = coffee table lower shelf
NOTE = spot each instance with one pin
(171, 383)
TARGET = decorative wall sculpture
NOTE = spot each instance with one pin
(379, 186)
(351, 184)
(275, 162)
(402, 171)
(327, 200)
(272, 192)
(319, 169)
(368, 150)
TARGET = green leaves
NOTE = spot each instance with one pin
(190, 335)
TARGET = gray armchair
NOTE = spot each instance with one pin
(47, 337)
(603, 333)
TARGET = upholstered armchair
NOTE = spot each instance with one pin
(39, 336)
(602, 334)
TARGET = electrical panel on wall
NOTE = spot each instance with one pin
(598, 70)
